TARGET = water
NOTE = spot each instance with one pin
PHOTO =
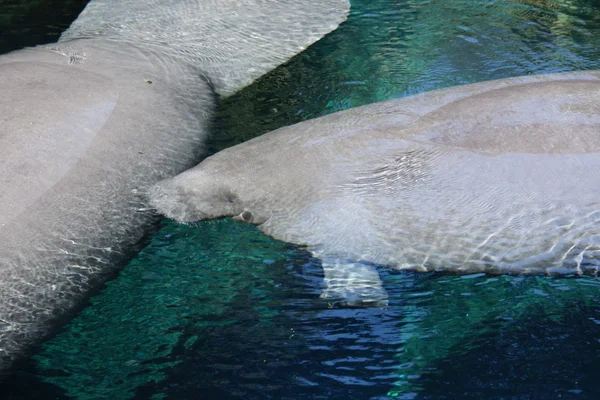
(218, 310)
(31, 22)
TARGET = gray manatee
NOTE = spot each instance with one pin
(497, 177)
(119, 103)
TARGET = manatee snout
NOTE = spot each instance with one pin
(169, 198)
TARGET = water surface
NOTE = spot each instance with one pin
(219, 310)
(31, 22)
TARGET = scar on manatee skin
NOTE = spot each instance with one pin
(148, 81)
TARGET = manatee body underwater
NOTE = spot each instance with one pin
(87, 124)
(497, 177)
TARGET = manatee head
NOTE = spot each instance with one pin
(207, 191)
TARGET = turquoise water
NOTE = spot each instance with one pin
(219, 310)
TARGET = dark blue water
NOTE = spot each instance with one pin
(219, 310)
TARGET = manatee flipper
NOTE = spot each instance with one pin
(352, 284)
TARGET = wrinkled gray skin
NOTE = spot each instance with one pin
(500, 176)
(119, 103)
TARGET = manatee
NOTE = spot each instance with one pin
(120, 102)
(496, 177)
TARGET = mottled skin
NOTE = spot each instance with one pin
(87, 124)
(500, 176)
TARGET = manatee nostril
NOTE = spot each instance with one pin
(246, 216)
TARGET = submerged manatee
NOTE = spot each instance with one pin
(499, 176)
(119, 103)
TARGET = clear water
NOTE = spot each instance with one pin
(218, 310)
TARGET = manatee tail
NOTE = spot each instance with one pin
(232, 42)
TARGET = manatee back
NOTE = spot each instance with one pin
(558, 116)
(75, 147)
(48, 127)
(498, 176)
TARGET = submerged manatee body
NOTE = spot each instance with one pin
(500, 176)
(119, 103)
